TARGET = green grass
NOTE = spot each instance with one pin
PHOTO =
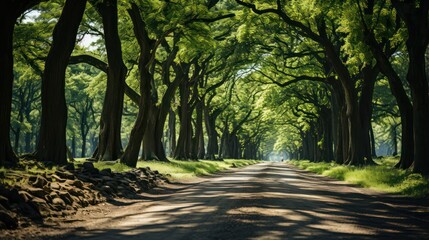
(382, 177)
(176, 169)
(180, 170)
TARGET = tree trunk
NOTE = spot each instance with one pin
(371, 132)
(153, 147)
(223, 141)
(172, 131)
(404, 104)
(28, 135)
(199, 150)
(212, 135)
(109, 143)
(73, 146)
(27, 140)
(150, 141)
(327, 153)
(7, 24)
(415, 16)
(365, 108)
(336, 126)
(83, 149)
(184, 142)
(354, 154)
(52, 138)
(10, 12)
(18, 131)
(131, 153)
(394, 141)
(419, 91)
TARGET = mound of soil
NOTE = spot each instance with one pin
(32, 197)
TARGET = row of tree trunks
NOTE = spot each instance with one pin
(198, 149)
(352, 136)
(325, 135)
(320, 132)
(404, 103)
(212, 135)
(251, 146)
(230, 144)
(153, 148)
(355, 143)
(190, 144)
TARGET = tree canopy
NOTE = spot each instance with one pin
(339, 81)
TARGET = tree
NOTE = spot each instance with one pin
(109, 143)
(320, 31)
(10, 13)
(390, 28)
(82, 106)
(52, 139)
(147, 51)
(415, 16)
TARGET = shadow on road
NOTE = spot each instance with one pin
(268, 201)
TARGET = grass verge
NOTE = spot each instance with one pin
(382, 177)
(179, 170)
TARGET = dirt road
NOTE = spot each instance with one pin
(264, 201)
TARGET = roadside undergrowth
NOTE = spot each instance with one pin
(383, 177)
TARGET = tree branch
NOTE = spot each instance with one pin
(102, 66)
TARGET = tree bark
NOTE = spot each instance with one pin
(394, 140)
(415, 16)
(153, 148)
(212, 135)
(336, 113)
(172, 131)
(73, 146)
(131, 153)
(52, 138)
(109, 142)
(365, 108)
(150, 141)
(7, 24)
(354, 154)
(184, 142)
(8, 15)
(404, 104)
(325, 132)
(373, 152)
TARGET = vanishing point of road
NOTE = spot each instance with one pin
(263, 201)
